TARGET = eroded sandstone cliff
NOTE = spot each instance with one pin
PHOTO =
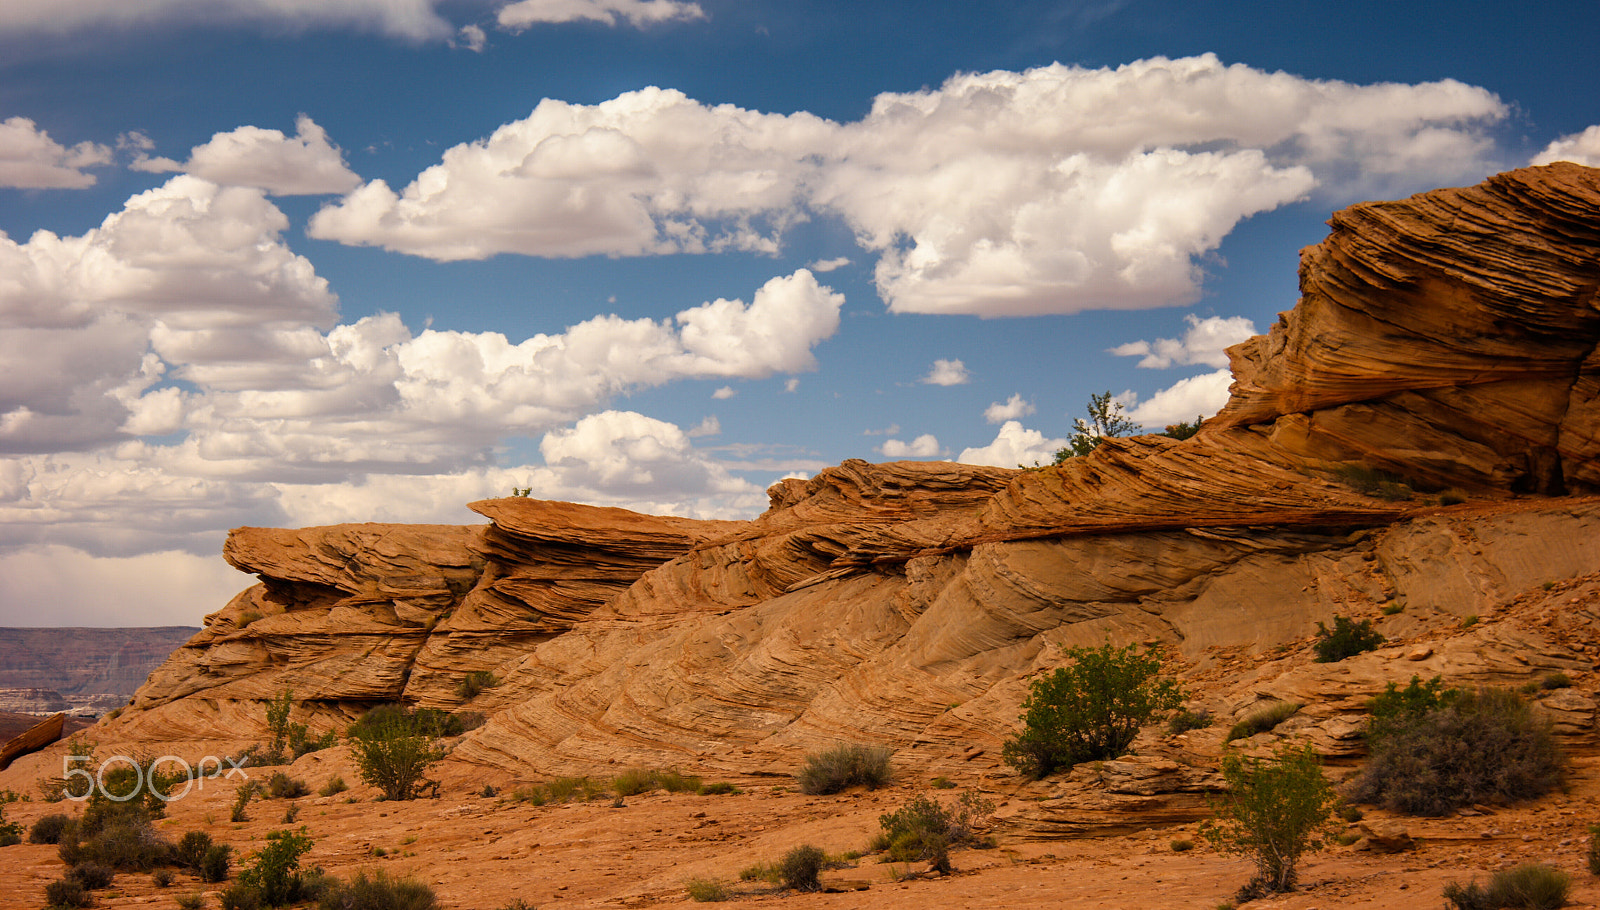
(1449, 339)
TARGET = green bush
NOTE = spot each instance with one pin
(1090, 710)
(1345, 639)
(67, 892)
(923, 830)
(638, 780)
(377, 892)
(194, 900)
(132, 846)
(1261, 721)
(430, 722)
(52, 829)
(191, 849)
(720, 788)
(1275, 810)
(798, 869)
(393, 751)
(1472, 747)
(274, 875)
(214, 863)
(161, 878)
(706, 890)
(1182, 845)
(845, 766)
(1527, 887)
(334, 786)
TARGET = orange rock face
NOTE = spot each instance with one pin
(1449, 339)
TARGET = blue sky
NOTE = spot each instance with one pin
(296, 262)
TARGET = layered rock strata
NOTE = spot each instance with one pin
(1448, 339)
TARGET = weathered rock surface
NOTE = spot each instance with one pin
(1449, 339)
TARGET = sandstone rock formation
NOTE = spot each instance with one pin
(1449, 339)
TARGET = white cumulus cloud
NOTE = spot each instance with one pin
(1205, 342)
(30, 159)
(1053, 190)
(1580, 148)
(947, 372)
(924, 447)
(1014, 446)
(1011, 409)
(638, 13)
(304, 164)
(1202, 395)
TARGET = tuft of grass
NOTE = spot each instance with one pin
(706, 890)
(1182, 845)
(1263, 720)
(1351, 813)
(1393, 609)
(282, 786)
(720, 788)
(942, 783)
(1346, 838)
(194, 900)
(473, 684)
(1186, 719)
(845, 766)
(334, 786)
(1469, 621)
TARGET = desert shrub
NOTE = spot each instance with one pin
(942, 783)
(274, 875)
(924, 830)
(161, 878)
(194, 900)
(1392, 609)
(673, 782)
(52, 829)
(1527, 887)
(1592, 858)
(1090, 710)
(798, 869)
(1261, 721)
(393, 752)
(1345, 639)
(706, 890)
(282, 786)
(1185, 720)
(93, 875)
(1275, 810)
(1373, 482)
(720, 788)
(1473, 747)
(376, 892)
(1182, 845)
(430, 722)
(843, 766)
(241, 799)
(214, 863)
(67, 892)
(764, 872)
(131, 845)
(334, 786)
(473, 684)
(1183, 429)
(10, 832)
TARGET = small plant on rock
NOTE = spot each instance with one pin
(1275, 811)
(1090, 710)
(1345, 639)
(474, 683)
